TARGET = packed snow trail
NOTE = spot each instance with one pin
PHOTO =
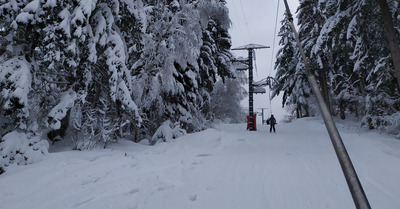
(222, 168)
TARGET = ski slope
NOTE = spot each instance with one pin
(222, 168)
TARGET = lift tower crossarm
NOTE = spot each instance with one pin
(251, 46)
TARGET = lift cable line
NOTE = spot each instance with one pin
(273, 45)
(242, 36)
(249, 62)
(272, 58)
(245, 20)
(353, 182)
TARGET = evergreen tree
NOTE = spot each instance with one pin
(214, 63)
(72, 49)
(333, 46)
(20, 33)
(225, 101)
(285, 64)
(291, 74)
(165, 74)
(177, 83)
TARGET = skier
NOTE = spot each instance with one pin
(272, 122)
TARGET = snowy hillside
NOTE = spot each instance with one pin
(222, 168)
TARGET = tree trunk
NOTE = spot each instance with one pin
(356, 113)
(325, 91)
(391, 37)
(136, 139)
(341, 111)
(362, 84)
(306, 108)
(298, 112)
(361, 103)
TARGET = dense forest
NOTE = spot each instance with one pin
(96, 71)
(347, 47)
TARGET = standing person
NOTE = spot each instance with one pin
(272, 122)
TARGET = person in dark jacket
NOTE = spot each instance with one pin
(272, 122)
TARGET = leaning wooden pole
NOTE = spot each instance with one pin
(356, 190)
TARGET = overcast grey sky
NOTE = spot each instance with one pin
(253, 21)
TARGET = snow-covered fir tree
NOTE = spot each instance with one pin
(382, 103)
(184, 55)
(214, 62)
(225, 102)
(291, 76)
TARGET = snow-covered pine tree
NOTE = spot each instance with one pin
(15, 85)
(285, 65)
(297, 91)
(382, 98)
(390, 34)
(165, 75)
(334, 49)
(215, 63)
(20, 140)
(18, 38)
(225, 101)
(107, 108)
(320, 56)
(174, 81)
(74, 48)
(58, 58)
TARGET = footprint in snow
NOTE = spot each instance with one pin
(193, 197)
(133, 191)
(203, 155)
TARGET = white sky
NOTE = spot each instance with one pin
(253, 21)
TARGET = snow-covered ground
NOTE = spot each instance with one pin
(223, 168)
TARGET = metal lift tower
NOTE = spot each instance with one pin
(250, 48)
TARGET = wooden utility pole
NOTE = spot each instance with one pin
(353, 182)
(391, 37)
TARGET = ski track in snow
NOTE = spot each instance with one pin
(222, 168)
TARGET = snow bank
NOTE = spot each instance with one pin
(167, 131)
(21, 149)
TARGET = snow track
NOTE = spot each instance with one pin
(223, 168)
